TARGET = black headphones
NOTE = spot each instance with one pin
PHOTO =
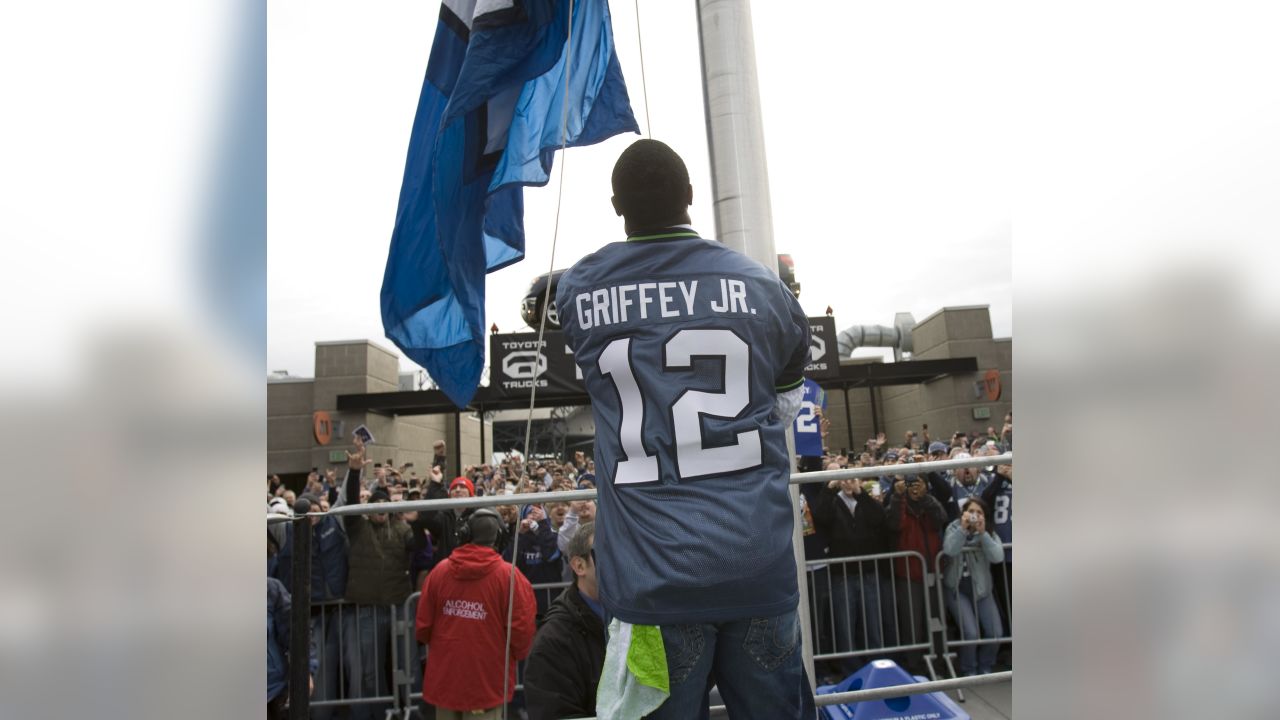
(466, 533)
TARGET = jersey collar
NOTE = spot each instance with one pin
(674, 232)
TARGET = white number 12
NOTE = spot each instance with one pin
(693, 460)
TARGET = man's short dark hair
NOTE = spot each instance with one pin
(580, 543)
(650, 185)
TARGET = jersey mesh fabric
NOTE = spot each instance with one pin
(698, 536)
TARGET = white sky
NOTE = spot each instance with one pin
(886, 130)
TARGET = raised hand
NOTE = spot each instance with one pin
(356, 460)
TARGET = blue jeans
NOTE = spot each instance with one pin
(755, 662)
(856, 601)
(366, 638)
(968, 614)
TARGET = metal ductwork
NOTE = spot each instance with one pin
(897, 337)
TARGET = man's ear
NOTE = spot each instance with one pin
(689, 195)
(617, 209)
(579, 566)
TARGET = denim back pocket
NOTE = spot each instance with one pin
(684, 645)
(771, 640)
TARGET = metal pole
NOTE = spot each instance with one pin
(300, 614)
(875, 416)
(735, 131)
(740, 185)
(848, 421)
(483, 457)
(457, 445)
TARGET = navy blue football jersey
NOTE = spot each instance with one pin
(808, 433)
(1003, 513)
(683, 346)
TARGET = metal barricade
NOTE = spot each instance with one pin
(974, 616)
(859, 609)
(409, 682)
(359, 656)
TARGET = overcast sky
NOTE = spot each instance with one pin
(886, 130)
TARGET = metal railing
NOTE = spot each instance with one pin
(344, 677)
(866, 587)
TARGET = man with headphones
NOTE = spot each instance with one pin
(462, 617)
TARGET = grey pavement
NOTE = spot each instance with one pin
(987, 702)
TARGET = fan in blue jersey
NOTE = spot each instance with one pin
(967, 482)
(685, 348)
(999, 497)
(808, 427)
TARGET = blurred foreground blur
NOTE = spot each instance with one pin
(131, 394)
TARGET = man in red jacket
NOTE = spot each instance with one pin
(916, 519)
(462, 616)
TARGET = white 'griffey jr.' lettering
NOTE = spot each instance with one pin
(624, 303)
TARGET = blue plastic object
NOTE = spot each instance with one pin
(886, 673)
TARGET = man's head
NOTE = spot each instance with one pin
(586, 510)
(461, 487)
(651, 187)
(915, 487)
(485, 527)
(313, 502)
(438, 447)
(938, 450)
(965, 476)
(556, 511)
(379, 495)
(581, 560)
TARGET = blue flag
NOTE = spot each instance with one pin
(488, 123)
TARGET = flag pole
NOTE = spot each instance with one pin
(740, 186)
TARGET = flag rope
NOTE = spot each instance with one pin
(542, 327)
(644, 84)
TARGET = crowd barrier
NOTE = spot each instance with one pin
(353, 671)
(872, 616)
(350, 678)
(858, 609)
(974, 630)
(389, 675)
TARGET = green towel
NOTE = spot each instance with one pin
(634, 680)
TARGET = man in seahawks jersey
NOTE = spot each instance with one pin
(685, 348)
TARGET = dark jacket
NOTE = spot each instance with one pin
(918, 527)
(563, 669)
(443, 524)
(539, 560)
(940, 489)
(850, 535)
(379, 558)
(279, 608)
(329, 551)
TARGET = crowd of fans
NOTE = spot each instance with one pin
(364, 565)
(966, 514)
